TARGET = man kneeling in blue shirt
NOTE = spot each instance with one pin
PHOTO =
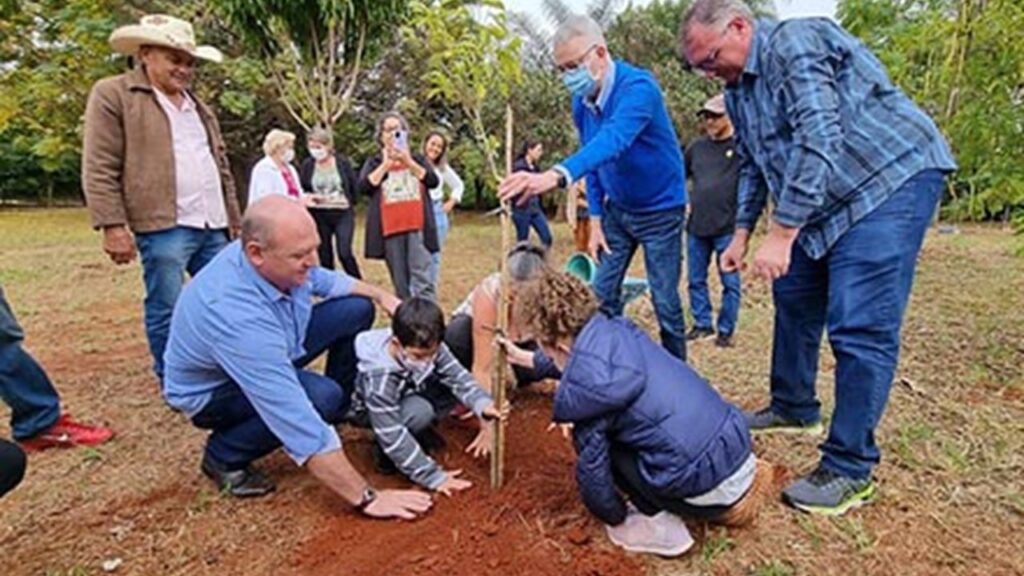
(241, 333)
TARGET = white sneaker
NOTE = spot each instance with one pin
(663, 534)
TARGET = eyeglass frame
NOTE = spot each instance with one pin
(563, 69)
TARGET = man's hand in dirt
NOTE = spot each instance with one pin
(119, 244)
(454, 484)
(404, 504)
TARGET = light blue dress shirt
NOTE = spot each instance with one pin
(232, 325)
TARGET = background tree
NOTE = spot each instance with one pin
(50, 53)
(960, 60)
(314, 50)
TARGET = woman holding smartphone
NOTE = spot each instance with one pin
(400, 226)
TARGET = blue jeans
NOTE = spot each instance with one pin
(24, 385)
(698, 256)
(859, 291)
(441, 219)
(537, 220)
(166, 256)
(659, 233)
(239, 436)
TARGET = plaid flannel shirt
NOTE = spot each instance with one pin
(820, 126)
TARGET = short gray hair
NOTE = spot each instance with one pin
(321, 135)
(713, 13)
(526, 261)
(576, 26)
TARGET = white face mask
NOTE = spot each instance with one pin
(318, 153)
(289, 155)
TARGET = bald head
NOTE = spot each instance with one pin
(280, 239)
(274, 216)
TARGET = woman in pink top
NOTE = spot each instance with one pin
(274, 174)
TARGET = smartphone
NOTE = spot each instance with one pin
(401, 140)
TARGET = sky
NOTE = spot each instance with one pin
(786, 8)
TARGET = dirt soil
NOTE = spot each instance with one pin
(951, 479)
(535, 525)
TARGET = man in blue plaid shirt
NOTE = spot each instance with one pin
(855, 171)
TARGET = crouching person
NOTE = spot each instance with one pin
(644, 425)
(408, 379)
(241, 333)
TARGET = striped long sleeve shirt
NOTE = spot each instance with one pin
(381, 386)
(820, 127)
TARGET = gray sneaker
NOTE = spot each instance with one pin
(826, 492)
(767, 421)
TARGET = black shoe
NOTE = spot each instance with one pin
(245, 483)
(724, 340)
(698, 333)
(382, 463)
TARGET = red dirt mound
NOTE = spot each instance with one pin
(535, 525)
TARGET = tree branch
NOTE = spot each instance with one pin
(345, 97)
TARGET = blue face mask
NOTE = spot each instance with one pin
(579, 81)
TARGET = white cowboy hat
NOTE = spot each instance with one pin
(161, 30)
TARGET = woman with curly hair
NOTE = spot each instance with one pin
(645, 424)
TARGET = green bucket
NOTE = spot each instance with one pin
(581, 266)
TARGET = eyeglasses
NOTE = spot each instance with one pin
(570, 66)
(709, 61)
(708, 116)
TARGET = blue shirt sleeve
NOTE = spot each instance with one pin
(615, 136)
(329, 283)
(806, 76)
(251, 351)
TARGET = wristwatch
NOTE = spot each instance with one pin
(561, 180)
(369, 495)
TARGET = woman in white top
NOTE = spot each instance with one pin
(274, 174)
(435, 150)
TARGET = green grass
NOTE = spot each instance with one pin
(715, 545)
(773, 568)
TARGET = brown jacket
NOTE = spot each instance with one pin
(128, 157)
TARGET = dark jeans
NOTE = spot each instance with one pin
(859, 291)
(537, 220)
(24, 386)
(659, 233)
(645, 497)
(166, 256)
(458, 336)
(698, 256)
(12, 466)
(240, 436)
(339, 225)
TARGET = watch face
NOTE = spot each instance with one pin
(369, 495)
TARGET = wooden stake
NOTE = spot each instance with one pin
(500, 364)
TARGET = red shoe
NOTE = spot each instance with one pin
(66, 433)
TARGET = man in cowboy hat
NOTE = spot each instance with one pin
(154, 167)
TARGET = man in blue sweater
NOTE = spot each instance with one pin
(636, 184)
